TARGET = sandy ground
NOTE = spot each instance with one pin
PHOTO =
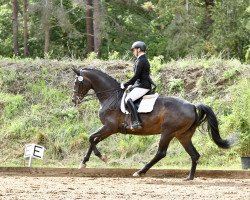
(70, 188)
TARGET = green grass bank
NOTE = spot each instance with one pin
(35, 107)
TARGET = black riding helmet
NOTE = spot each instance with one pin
(138, 44)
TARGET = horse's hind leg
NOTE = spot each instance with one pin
(194, 156)
(190, 149)
(161, 153)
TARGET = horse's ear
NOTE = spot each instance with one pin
(76, 71)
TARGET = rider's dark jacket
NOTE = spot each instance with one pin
(141, 76)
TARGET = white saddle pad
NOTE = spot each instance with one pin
(146, 105)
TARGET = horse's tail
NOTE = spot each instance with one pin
(205, 113)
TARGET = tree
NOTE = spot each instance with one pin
(25, 28)
(182, 31)
(89, 26)
(209, 4)
(230, 33)
(97, 20)
(174, 29)
(46, 15)
(15, 26)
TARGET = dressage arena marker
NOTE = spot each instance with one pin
(33, 151)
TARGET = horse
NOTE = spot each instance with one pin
(171, 117)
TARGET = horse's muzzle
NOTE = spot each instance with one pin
(73, 100)
(76, 100)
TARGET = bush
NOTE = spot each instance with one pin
(237, 118)
(231, 73)
(156, 66)
(11, 104)
(176, 85)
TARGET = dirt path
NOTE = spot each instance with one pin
(71, 188)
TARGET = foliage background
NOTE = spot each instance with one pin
(173, 29)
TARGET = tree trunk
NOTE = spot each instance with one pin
(46, 38)
(25, 28)
(15, 26)
(89, 26)
(46, 26)
(187, 6)
(209, 4)
(97, 15)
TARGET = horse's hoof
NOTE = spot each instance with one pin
(188, 179)
(137, 174)
(104, 158)
(82, 166)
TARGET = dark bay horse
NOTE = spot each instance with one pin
(171, 117)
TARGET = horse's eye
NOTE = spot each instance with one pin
(80, 78)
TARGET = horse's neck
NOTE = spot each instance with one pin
(104, 87)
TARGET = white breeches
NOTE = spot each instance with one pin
(136, 93)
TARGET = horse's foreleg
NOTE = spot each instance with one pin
(161, 153)
(86, 157)
(94, 139)
(88, 154)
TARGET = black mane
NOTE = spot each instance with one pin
(101, 73)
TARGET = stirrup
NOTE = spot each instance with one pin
(135, 125)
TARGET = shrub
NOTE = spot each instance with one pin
(176, 85)
(12, 104)
(114, 55)
(231, 73)
(238, 119)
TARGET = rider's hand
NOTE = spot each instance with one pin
(129, 87)
(122, 86)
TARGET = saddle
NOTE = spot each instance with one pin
(145, 104)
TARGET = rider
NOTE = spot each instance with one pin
(141, 81)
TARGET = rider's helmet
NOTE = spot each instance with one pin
(138, 44)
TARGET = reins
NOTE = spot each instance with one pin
(92, 95)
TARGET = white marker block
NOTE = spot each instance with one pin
(33, 151)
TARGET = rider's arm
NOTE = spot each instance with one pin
(137, 74)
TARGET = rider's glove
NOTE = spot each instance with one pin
(122, 86)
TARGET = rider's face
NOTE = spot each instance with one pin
(136, 51)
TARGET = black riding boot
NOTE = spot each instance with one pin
(135, 118)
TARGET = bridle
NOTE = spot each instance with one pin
(92, 95)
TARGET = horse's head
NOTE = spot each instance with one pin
(81, 87)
